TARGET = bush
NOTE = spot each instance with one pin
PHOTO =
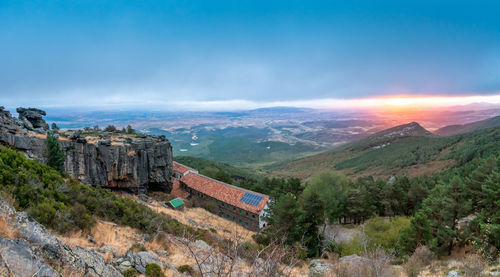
(261, 239)
(136, 247)
(131, 272)
(385, 233)
(154, 270)
(66, 205)
(186, 269)
(354, 246)
(420, 258)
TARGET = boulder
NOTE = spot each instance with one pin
(94, 264)
(453, 273)
(353, 259)
(139, 261)
(33, 118)
(18, 259)
(319, 268)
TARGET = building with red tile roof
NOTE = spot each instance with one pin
(234, 203)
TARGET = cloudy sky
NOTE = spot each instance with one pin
(244, 52)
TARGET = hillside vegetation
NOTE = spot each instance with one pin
(399, 155)
(64, 205)
(460, 129)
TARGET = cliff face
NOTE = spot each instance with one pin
(138, 165)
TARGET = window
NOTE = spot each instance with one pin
(253, 216)
(247, 213)
(221, 214)
(241, 211)
(241, 221)
(228, 206)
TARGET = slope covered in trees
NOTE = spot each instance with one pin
(405, 155)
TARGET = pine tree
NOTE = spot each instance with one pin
(311, 218)
(55, 153)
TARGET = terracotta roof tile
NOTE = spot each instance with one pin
(224, 192)
(182, 168)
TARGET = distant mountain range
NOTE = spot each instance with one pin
(460, 129)
(407, 149)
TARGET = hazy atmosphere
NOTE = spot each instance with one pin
(243, 54)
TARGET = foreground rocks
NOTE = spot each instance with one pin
(136, 165)
(17, 258)
(139, 261)
(36, 245)
(319, 268)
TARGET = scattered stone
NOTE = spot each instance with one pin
(108, 249)
(453, 273)
(124, 266)
(319, 268)
(144, 237)
(162, 252)
(91, 239)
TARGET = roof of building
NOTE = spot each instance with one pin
(177, 191)
(176, 202)
(182, 168)
(223, 192)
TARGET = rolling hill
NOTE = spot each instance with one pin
(402, 150)
(460, 129)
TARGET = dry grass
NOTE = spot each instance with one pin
(6, 231)
(203, 218)
(104, 233)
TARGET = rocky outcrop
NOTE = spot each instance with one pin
(17, 258)
(32, 119)
(36, 243)
(135, 164)
(139, 261)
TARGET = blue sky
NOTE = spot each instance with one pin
(146, 53)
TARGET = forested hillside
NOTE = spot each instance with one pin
(407, 155)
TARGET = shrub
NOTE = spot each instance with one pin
(136, 247)
(385, 233)
(334, 247)
(420, 258)
(354, 246)
(154, 270)
(131, 272)
(186, 269)
(261, 239)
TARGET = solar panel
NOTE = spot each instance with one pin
(251, 198)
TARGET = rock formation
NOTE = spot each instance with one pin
(25, 255)
(134, 164)
(32, 119)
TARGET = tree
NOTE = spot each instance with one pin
(54, 127)
(130, 130)
(110, 128)
(283, 217)
(55, 153)
(311, 218)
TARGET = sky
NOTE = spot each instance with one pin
(246, 53)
